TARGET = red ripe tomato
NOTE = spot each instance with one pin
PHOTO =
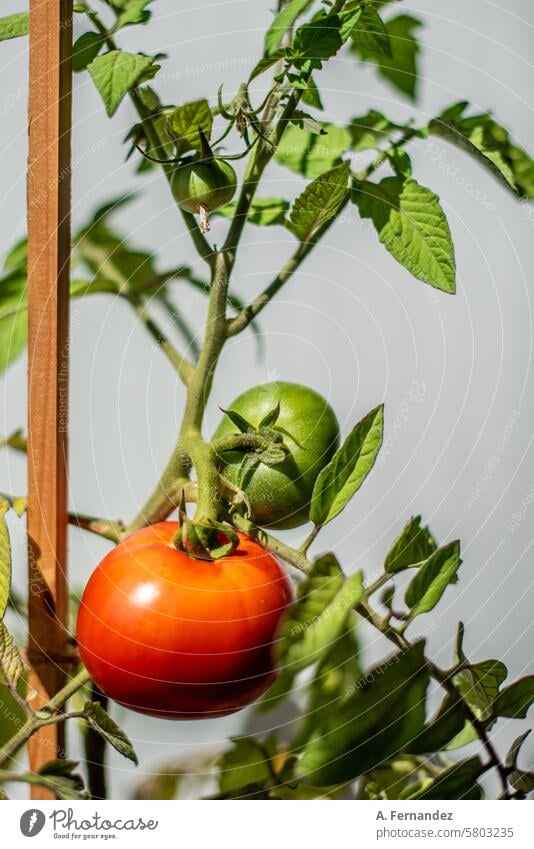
(180, 638)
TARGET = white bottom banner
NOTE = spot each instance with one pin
(314, 824)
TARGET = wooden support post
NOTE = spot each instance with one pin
(48, 303)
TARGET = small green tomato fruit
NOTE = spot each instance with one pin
(203, 187)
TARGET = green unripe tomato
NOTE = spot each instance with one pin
(204, 185)
(280, 495)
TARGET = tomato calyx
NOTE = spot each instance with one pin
(261, 444)
(205, 539)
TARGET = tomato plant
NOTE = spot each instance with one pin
(166, 634)
(196, 617)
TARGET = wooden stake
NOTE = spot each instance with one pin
(48, 302)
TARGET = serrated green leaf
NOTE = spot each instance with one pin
(479, 685)
(414, 545)
(401, 69)
(117, 72)
(314, 623)
(85, 49)
(245, 765)
(432, 579)
(489, 143)
(412, 226)
(282, 22)
(459, 781)
(375, 723)
(14, 25)
(264, 212)
(370, 35)
(104, 725)
(515, 700)
(344, 475)
(319, 201)
(309, 154)
(320, 39)
(185, 122)
(11, 665)
(5, 558)
(132, 12)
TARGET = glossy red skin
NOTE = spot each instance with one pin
(179, 638)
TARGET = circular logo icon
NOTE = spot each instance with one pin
(32, 822)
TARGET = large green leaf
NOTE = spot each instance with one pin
(310, 154)
(130, 12)
(320, 39)
(432, 579)
(459, 781)
(489, 143)
(104, 725)
(350, 465)
(411, 224)
(186, 121)
(283, 21)
(401, 68)
(117, 72)
(245, 765)
(414, 545)
(318, 616)
(14, 25)
(375, 723)
(448, 722)
(515, 700)
(319, 201)
(305, 633)
(370, 35)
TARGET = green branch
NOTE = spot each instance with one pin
(47, 715)
(180, 363)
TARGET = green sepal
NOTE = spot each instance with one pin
(202, 540)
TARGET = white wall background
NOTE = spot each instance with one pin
(351, 322)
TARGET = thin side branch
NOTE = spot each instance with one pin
(179, 362)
